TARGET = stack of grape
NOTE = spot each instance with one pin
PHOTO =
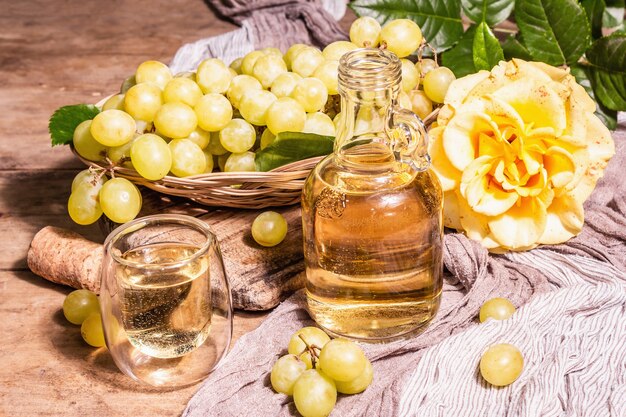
(218, 116)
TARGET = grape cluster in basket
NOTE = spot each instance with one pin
(317, 368)
(218, 116)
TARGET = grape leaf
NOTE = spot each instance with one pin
(614, 13)
(608, 117)
(554, 31)
(291, 147)
(513, 48)
(607, 70)
(594, 10)
(490, 11)
(440, 21)
(487, 51)
(457, 58)
(65, 119)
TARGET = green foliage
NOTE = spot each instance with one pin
(557, 32)
(487, 49)
(439, 20)
(290, 147)
(490, 11)
(65, 119)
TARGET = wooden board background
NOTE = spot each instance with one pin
(53, 53)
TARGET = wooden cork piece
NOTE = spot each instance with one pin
(65, 257)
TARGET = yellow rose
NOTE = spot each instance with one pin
(518, 150)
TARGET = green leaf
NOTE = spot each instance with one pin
(594, 10)
(608, 117)
(487, 49)
(614, 13)
(554, 31)
(607, 70)
(65, 119)
(457, 58)
(439, 20)
(513, 48)
(490, 11)
(291, 147)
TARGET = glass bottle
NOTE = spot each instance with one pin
(372, 212)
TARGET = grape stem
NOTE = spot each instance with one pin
(311, 349)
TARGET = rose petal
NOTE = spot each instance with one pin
(474, 224)
(535, 103)
(448, 175)
(565, 220)
(559, 166)
(521, 226)
(457, 91)
(460, 138)
(599, 140)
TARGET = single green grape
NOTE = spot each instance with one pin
(314, 394)
(182, 90)
(311, 93)
(175, 120)
(209, 163)
(291, 52)
(120, 155)
(221, 161)
(319, 123)
(214, 111)
(80, 304)
(83, 205)
(402, 37)
(269, 228)
(215, 146)
(272, 51)
(306, 61)
(496, 308)
(187, 158)
(334, 51)
(358, 384)
(420, 103)
(239, 85)
(425, 66)
(342, 360)
(85, 144)
(127, 83)
(213, 76)
(112, 127)
(154, 72)
(200, 137)
(285, 115)
(501, 364)
(312, 336)
(410, 75)
(114, 102)
(142, 101)
(151, 156)
(267, 68)
(307, 359)
(254, 105)
(284, 84)
(328, 73)
(437, 82)
(120, 200)
(91, 330)
(365, 32)
(267, 137)
(404, 100)
(236, 65)
(249, 60)
(240, 162)
(90, 177)
(285, 372)
(237, 136)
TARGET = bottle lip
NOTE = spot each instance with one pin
(369, 69)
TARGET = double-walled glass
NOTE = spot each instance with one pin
(165, 300)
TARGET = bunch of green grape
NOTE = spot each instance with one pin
(317, 368)
(218, 116)
(83, 308)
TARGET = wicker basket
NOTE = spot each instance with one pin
(249, 190)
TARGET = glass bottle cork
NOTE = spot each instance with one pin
(372, 212)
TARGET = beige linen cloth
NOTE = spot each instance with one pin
(570, 325)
